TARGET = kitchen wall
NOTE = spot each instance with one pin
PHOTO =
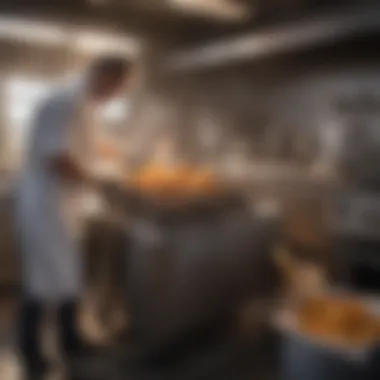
(226, 111)
(277, 109)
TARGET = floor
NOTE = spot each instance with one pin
(9, 368)
(229, 360)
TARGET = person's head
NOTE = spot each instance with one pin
(108, 76)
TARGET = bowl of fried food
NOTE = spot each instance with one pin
(329, 337)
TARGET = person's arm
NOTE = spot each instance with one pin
(57, 120)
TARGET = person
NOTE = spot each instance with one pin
(48, 211)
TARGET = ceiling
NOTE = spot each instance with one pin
(145, 18)
(159, 20)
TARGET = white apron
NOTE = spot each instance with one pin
(48, 211)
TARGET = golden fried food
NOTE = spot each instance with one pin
(178, 181)
(341, 321)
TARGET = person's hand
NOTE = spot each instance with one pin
(107, 150)
(67, 168)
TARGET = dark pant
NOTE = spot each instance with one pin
(29, 332)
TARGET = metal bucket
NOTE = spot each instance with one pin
(305, 360)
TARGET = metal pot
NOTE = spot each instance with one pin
(192, 275)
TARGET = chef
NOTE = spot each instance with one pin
(48, 207)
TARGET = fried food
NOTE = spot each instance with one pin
(178, 181)
(342, 321)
